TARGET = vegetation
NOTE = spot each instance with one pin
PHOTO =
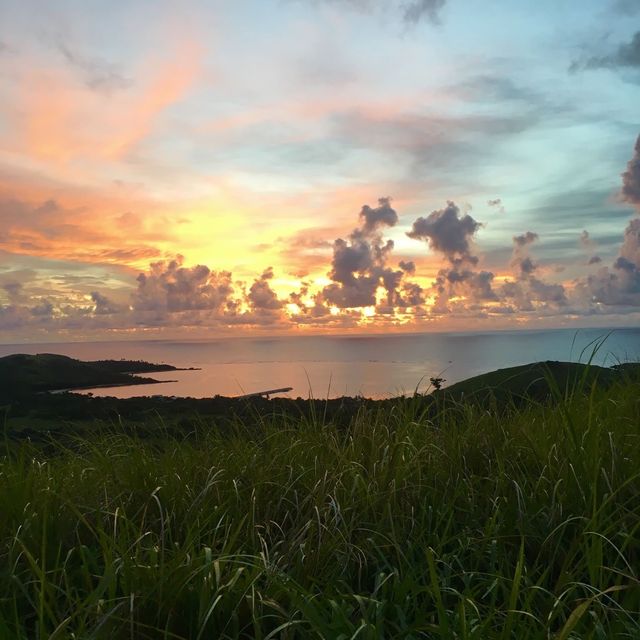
(445, 519)
(21, 374)
(541, 381)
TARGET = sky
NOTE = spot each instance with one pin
(190, 169)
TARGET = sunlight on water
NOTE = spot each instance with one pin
(330, 366)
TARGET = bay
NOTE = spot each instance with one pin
(375, 366)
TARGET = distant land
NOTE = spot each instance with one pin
(26, 379)
(22, 374)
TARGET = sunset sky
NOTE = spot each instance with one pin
(206, 168)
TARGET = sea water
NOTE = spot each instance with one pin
(375, 366)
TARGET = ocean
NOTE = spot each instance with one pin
(374, 366)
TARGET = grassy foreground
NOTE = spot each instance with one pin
(464, 525)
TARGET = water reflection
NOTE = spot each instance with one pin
(330, 366)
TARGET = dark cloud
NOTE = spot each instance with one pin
(630, 248)
(528, 292)
(585, 239)
(627, 55)
(448, 232)
(419, 10)
(526, 238)
(451, 234)
(408, 266)
(590, 245)
(42, 309)
(496, 203)
(13, 317)
(13, 289)
(382, 215)
(631, 178)
(527, 265)
(477, 285)
(355, 273)
(547, 293)
(103, 305)
(359, 264)
(620, 284)
(520, 259)
(261, 296)
(170, 287)
(412, 295)
(474, 286)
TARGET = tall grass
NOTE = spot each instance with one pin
(466, 524)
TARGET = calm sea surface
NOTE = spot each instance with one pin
(330, 366)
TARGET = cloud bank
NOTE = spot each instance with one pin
(365, 282)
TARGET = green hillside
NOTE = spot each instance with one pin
(538, 381)
(407, 519)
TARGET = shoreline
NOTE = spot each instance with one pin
(110, 386)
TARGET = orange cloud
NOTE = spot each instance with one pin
(60, 127)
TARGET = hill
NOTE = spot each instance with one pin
(538, 381)
(22, 374)
(394, 519)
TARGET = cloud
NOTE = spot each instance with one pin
(547, 292)
(529, 289)
(362, 272)
(413, 11)
(631, 178)
(496, 203)
(585, 239)
(13, 289)
(408, 266)
(42, 309)
(261, 296)
(382, 215)
(85, 227)
(520, 257)
(627, 7)
(451, 234)
(103, 305)
(359, 264)
(170, 287)
(431, 139)
(97, 74)
(627, 55)
(619, 285)
(13, 317)
(448, 232)
(526, 238)
(419, 10)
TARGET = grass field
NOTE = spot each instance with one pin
(464, 524)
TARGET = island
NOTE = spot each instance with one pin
(22, 374)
